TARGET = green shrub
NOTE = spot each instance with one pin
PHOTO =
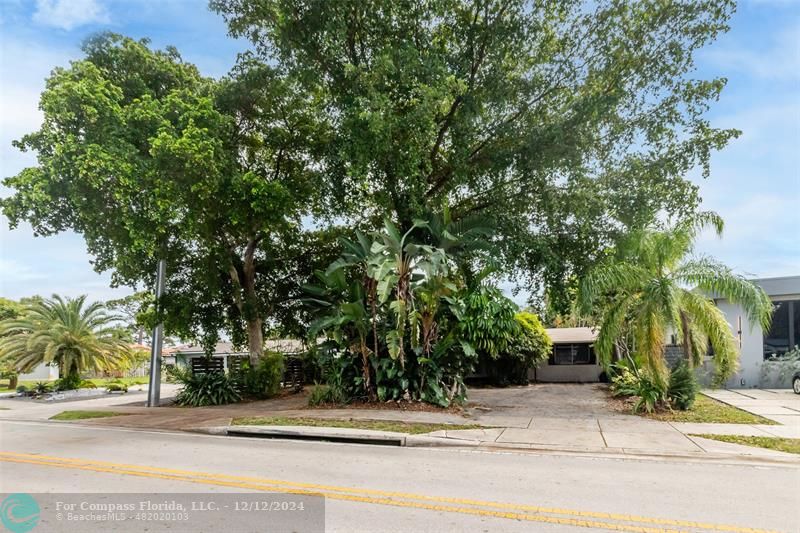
(41, 387)
(87, 384)
(116, 387)
(71, 381)
(682, 387)
(624, 381)
(628, 380)
(211, 388)
(325, 394)
(261, 381)
(22, 389)
(528, 348)
(650, 394)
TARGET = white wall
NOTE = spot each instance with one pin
(752, 346)
(41, 373)
(752, 336)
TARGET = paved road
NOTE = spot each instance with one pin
(371, 488)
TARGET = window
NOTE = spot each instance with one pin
(572, 354)
(784, 333)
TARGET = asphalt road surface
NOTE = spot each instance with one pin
(376, 488)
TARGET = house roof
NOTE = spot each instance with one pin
(227, 348)
(565, 335)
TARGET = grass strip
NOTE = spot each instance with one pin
(773, 443)
(82, 415)
(709, 410)
(414, 428)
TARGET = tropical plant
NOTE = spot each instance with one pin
(650, 287)
(262, 380)
(683, 387)
(201, 389)
(395, 302)
(41, 387)
(69, 333)
(649, 392)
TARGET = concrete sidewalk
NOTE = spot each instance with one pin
(779, 405)
(512, 421)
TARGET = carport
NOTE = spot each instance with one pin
(572, 358)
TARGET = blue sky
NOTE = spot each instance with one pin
(754, 183)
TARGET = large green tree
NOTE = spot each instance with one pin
(569, 123)
(148, 159)
(653, 287)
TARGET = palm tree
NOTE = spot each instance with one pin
(653, 286)
(65, 332)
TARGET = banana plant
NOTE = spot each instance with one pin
(344, 317)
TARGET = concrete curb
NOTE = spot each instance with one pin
(386, 438)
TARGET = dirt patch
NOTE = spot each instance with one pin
(393, 406)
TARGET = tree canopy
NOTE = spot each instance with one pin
(568, 123)
(148, 159)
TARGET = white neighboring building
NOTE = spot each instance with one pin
(756, 346)
(42, 372)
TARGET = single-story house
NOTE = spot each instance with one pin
(572, 358)
(757, 345)
(224, 356)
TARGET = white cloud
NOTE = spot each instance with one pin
(69, 14)
(777, 59)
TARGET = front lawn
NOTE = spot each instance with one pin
(707, 409)
(82, 415)
(414, 428)
(773, 443)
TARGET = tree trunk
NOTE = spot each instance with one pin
(687, 340)
(255, 340)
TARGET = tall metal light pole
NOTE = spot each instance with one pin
(154, 389)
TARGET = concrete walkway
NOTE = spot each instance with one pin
(568, 418)
(779, 405)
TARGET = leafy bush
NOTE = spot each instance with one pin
(325, 394)
(116, 387)
(650, 393)
(22, 389)
(529, 347)
(211, 388)
(779, 369)
(629, 380)
(624, 381)
(261, 381)
(87, 384)
(682, 387)
(71, 381)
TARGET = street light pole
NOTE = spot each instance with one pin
(154, 389)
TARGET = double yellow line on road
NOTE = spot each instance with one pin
(532, 513)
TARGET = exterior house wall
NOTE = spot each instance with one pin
(751, 337)
(568, 373)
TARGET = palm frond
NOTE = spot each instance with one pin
(719, 281)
